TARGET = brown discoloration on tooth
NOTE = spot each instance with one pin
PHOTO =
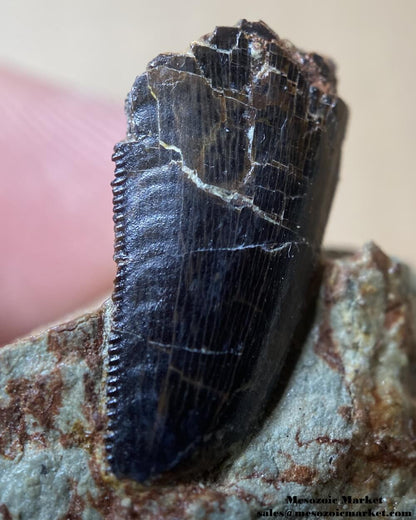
(221, 194)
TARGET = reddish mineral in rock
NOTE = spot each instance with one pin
(345, 425)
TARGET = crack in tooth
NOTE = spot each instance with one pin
(237, 200)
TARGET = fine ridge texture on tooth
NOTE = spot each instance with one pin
(222, 192)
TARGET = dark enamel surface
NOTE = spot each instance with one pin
(222, 191)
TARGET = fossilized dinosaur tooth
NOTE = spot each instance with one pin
(221, 195)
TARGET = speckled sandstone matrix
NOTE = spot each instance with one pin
(358, 440)
(345, 425)
(222, 192)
